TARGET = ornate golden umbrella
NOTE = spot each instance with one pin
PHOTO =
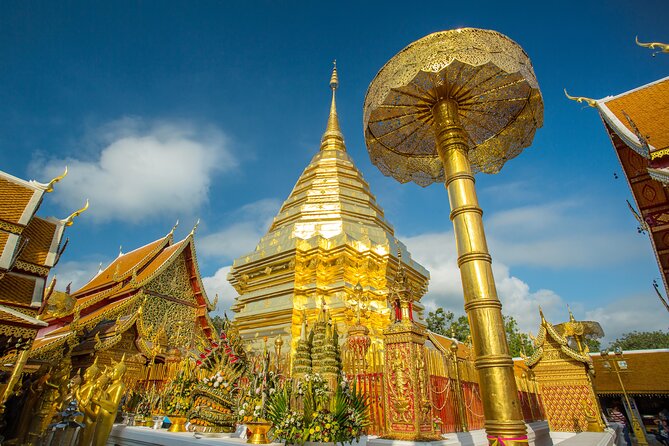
(449, 105)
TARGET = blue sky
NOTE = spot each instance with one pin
(183, 110)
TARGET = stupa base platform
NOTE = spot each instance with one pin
(122, 435)
(538, 434)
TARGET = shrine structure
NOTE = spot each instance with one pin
(564, 373)
(29, 247)
(149, 304)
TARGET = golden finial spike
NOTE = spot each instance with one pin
(333, 137)
(49, 187)
(192, 231)
(571, 315)
(69, 220)
(661, 47)
(334, 80)
(581, 99)
(541, 313)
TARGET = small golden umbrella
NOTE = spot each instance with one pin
(450, 105)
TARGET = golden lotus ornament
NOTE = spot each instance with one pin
(447, 106)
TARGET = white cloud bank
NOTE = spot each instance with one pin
(551, 235)
(142, 170)
(437, 253)
(251, 222)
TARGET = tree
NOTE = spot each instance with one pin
(218, 322)
(641, 340)
(593, 344)
(444, 322)
(518, 341)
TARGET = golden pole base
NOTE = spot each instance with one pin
(503, 416)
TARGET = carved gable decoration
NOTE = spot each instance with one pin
(174, 281)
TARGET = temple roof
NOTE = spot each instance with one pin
(647, 109)
(644, 372)
(548, 332)
(118, 293)
(124, 265)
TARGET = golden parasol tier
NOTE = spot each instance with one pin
(450, 105)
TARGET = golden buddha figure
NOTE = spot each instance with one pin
(83, 395)
(108, 404)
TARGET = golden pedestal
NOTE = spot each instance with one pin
(178, 424)
(258, 431)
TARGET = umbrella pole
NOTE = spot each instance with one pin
(503, 416)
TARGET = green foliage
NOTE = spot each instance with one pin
(518, 341)
(594, 345)
(445, 323)
(325, 417)
(641, 340)
(218, 322)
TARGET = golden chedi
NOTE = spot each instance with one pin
(329, 235)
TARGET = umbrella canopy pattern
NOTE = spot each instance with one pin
(486, 73)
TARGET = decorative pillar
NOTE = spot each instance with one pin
(407, 396)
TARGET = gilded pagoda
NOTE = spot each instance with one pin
(329, 236)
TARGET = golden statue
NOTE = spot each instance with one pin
(31, 402)
(108, 404)
(72, 389)
(83, 395)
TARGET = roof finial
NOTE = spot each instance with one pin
(49, 187)
(192, 231)
(333, 137)
(571, 315)
(581, 99)
(69, 220)
(660, 47)
(334, 80)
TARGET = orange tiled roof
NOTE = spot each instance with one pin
(125, 264)
(4, 236)
(149, 269)
(445, 342)
(17, 290)
(648, 107)
(646, 372)
(15, 198)
(159, 261)
(40, 234)
(14, 317)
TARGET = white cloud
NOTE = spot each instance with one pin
(218, 284)
(142, 170)
(78, 273)
(436, 252)
(641, 312)
(544, 236)
(250, 224)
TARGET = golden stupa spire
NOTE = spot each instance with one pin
(333, 137)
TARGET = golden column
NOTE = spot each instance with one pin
(450, 105)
